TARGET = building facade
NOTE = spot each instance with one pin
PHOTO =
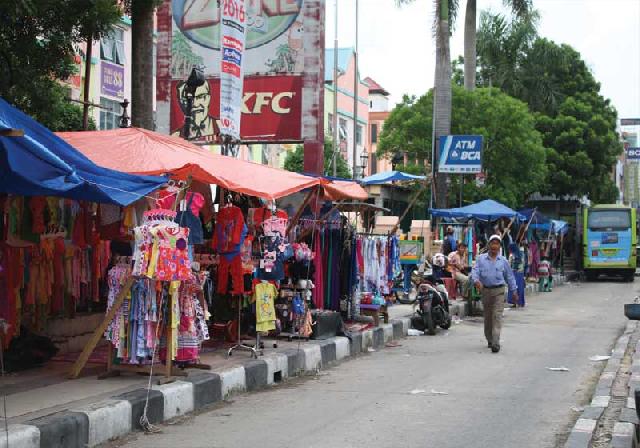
(110, 78)
(378, 112)
(342, 91)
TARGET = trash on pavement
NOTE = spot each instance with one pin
(558, 369)
(599, 358)
(393, 344)
(437, 392)
(414, 332)
(418, 391)
(370, 350)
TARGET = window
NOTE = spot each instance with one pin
(330, 120)
(609, 219)
(374, 133)
(358, 135)
(112, 46)
(342, 129)
(109, 114)
(371, 104)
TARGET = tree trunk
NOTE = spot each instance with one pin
(442, 96)
(470, 46)
(142, 63)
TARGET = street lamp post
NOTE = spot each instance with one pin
(364, 160)
(124, 118)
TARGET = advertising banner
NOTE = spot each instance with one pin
(282, 50)
(460, 154)
(633, 154)
(232, 38)
(271, 108)
(112, 79)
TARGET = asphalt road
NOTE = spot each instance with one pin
(509, 399)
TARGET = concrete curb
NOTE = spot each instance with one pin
(97, 423)
(624, 430)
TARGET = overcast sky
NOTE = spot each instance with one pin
(397, 49)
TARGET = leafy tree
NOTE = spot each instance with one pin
(514, 157)
(36, 50)
(578, 125)
(295, 161)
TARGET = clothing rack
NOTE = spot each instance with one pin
(112, 369)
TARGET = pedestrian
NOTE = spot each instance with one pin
(458, 267)
(544, 275)
(516, 260)
(449, 243)
(491, 274)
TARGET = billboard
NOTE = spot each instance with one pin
(282, 62)
(460, 154)
(271, 108)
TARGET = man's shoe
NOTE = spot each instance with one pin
(489, 345)
(495, 348)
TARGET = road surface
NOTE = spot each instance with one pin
(444, 391)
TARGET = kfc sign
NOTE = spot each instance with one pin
(271, 109)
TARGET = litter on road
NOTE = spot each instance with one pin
(558, 369)
(418, 391)
(414, 332)
(437, 392)
(599, 358)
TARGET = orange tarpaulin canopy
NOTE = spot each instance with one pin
(344, 189)
(140, 151)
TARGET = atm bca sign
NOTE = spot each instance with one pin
(633, 154)
(460, 154)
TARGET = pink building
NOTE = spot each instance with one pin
(345, 100)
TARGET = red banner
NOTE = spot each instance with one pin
(271, 109)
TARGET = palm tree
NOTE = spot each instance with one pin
(520, 9)
(445, 11)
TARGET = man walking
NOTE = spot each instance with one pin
(491, 274)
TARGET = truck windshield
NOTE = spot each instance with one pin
(609, 219)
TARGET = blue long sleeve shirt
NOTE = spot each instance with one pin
(492, 272)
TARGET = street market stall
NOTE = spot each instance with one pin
(54, 259)
(262, 268)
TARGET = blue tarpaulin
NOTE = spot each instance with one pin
(487, 210)
(389, 176)
(39, 163)
(533, 215)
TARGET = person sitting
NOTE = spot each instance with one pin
(458, 267)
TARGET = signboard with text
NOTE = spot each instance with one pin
(232, 37)
(112, 79)
(633, 154)
(461, 154)
(630, 122)
(282, 49)
(271, 108)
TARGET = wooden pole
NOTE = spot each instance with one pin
(97, 335)
(87, 83)
(411, 204)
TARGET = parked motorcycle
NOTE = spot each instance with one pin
(432, 308)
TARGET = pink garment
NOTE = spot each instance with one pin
(318, 281)
(167, 199)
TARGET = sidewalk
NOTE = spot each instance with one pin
(47, 410)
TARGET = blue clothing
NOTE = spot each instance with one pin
(453, 243)
(491, 272)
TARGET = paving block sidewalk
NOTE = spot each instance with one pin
(91, 422)
(610, 419)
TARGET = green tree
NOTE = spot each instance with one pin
(37, 40)
(578, 125)
(295, 161)
(514, 157)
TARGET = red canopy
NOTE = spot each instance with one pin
(140, 151)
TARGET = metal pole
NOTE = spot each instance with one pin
(356, 81)
(335, 94)
(87, 83)
(461, 186)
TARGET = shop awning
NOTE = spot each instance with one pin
(36, 162)
(141, 151)
(345, 189)
(487, 210)
(390, 176)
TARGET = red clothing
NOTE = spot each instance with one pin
(37, 205)
(233, 268)
(167, 199)
(263, 213)
(228, 231)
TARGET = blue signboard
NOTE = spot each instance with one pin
(633, 153)
(460, 154)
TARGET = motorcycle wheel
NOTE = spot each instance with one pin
(418, 323)
(431, 327)
(446, 324)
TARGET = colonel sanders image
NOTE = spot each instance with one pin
(203, 125)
